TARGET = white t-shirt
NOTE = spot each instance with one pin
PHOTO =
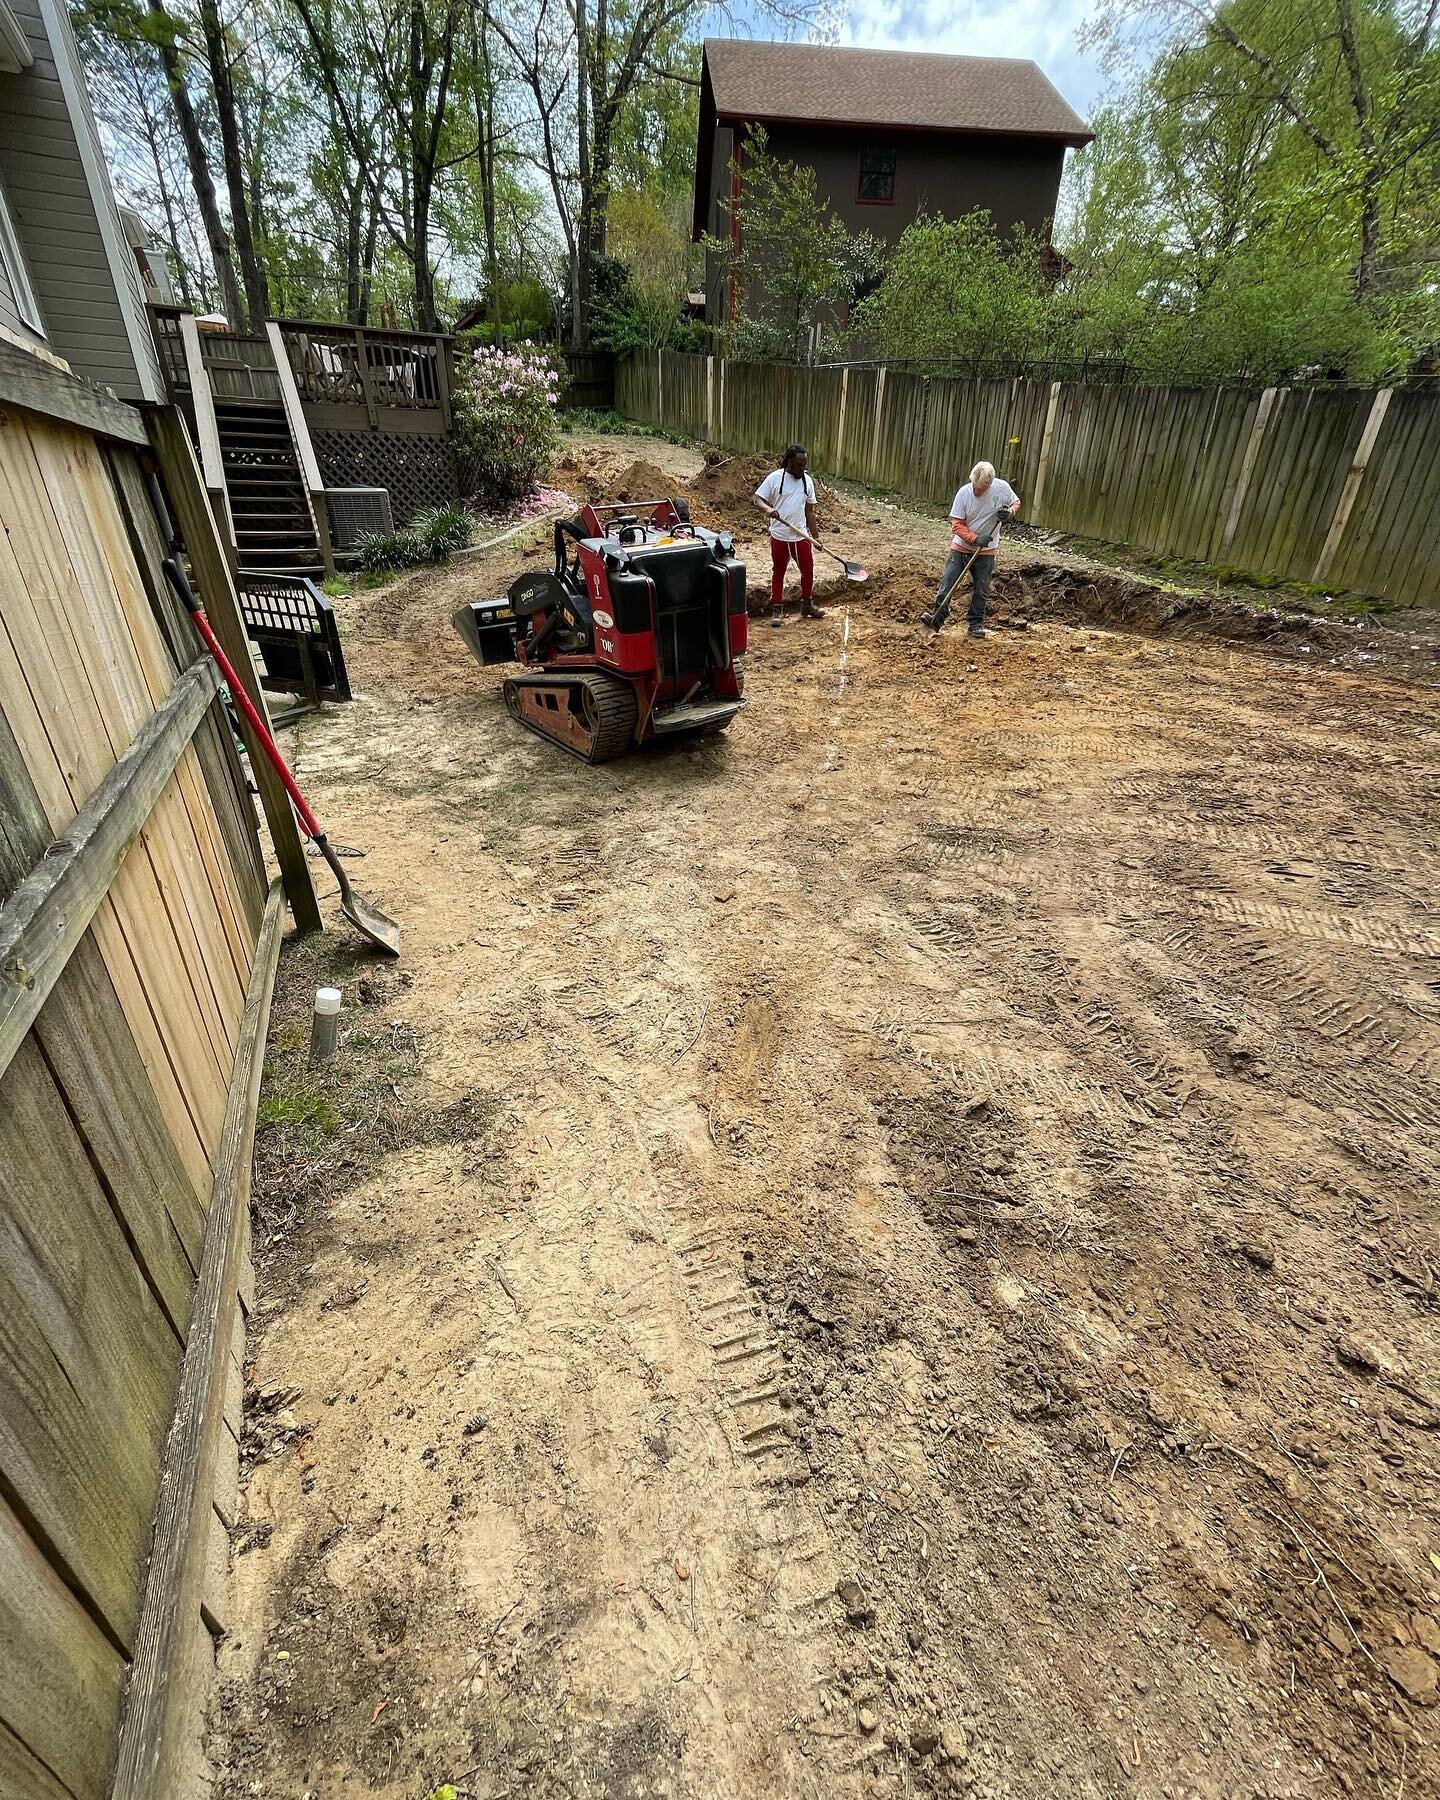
(983, 513)
(788, 494)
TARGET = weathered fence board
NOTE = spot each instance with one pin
(132, 960)
(1329, 485)
(88, 1362)
(62, 1734)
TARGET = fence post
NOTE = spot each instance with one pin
(710, 398)
(1247, 469)
(1047, 437)
(875, 434)
(1351, 489)
(721, 438)
(660, 386)
(840, 428)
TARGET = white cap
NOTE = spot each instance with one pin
(327, 1001)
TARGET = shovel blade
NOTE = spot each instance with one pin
(856, 572)
(371, 923)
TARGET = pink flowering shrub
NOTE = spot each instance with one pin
(505, 429)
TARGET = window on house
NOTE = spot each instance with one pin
(16, 271)
(877, 177)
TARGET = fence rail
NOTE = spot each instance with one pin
(1334, 486)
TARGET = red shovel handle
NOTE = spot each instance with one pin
(176, 577)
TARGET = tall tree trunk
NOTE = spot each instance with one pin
(199, 164)
(354, 202)
(367, 265)
(1367, 269)
(485, 153)
(172, 229)
(257, 295)
(582, 275)
(426, 318)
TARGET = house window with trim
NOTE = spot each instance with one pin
(877, 178)
(16, 272)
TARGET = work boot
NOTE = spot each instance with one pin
(928, 618)
(809, 610)
(977, 631)
(777, 616)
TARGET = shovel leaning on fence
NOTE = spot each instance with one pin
(368, 920)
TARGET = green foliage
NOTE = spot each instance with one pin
(638, 290)
(793, 259)
(955, 291)
(1261, 201)
(432, 536)
(505, 431)
(604, 423)
(526, 311)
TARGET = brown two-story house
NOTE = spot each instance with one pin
(889, 133)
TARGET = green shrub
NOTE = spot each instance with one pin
(432, 536)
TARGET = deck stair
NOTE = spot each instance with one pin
(274, 526)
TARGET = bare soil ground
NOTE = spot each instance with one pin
(890, 1252)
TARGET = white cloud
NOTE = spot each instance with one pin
(1045, 33)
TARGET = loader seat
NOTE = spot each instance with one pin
(686, 601)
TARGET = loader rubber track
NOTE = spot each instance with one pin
(590, 715)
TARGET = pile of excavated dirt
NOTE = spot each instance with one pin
(726, 488)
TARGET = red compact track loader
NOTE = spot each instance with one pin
(637, 633)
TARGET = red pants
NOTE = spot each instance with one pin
(780, 554)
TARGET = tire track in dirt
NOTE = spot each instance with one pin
(950, 1129)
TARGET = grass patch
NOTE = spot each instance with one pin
(1202, 577)
(321, 1130)
(357, 581)
(297, 1105)
(605, 423)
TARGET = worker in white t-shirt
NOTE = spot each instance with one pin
(975, 516)
(787, 495)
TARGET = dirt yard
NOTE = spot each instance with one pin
(890, 1252)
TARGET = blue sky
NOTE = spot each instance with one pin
(1043, 30)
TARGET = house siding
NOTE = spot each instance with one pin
(10, 313)
(717, 219)
(1016, 179)
(84, 274)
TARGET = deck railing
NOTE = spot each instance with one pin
(373, 372)
(352, 365)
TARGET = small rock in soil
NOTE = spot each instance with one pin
(925, 1738)
(859, 1608)
(1413, 1672)
(1261, 1255)
(868, 1720)
(1359, 1353)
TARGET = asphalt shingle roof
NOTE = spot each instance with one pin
(841, 86)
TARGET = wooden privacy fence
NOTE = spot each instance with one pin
(138, 944)
(589, 379)
(1335, 486)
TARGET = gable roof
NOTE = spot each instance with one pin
(829, 84)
